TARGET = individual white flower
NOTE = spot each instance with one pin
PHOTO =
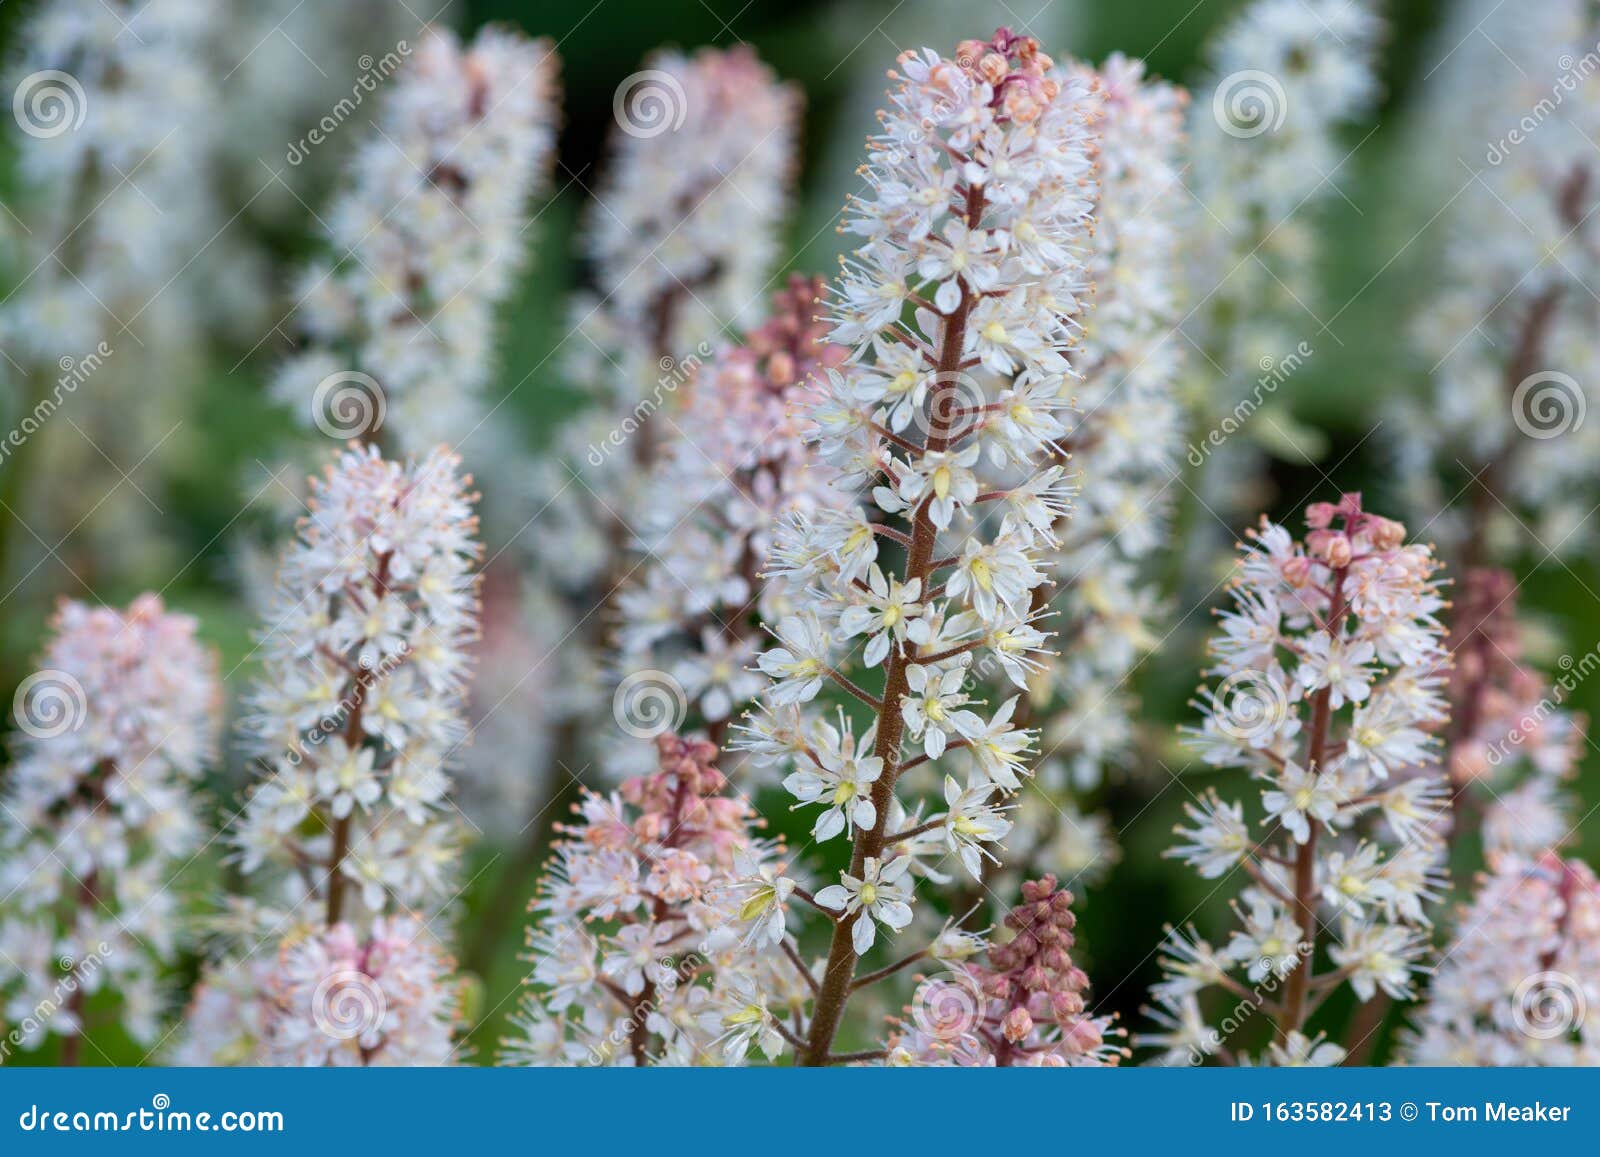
(743, 1021)
(801, 660)
(1218, 839)
(1303, 797)
(971, 821)
(875, 897)
(1000, 749)
(995, 574)
(1337, 665)
(766, 893)
(841, 778)
(1300, 1051)
(888, 613)
(933, 709)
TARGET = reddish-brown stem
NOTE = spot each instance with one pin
(888, 970)
(1305, 859)
(855, 689)
(839, 972)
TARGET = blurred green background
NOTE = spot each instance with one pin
(836, 52)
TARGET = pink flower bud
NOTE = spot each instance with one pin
(1319, 515)
(1017, 1025)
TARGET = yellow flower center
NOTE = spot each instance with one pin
(758, 903)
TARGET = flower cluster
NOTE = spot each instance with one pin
(1517, 986)
(110, 89)
(697, 185)
(1331, 676)
(355, 720)
(99, 821)
(1123, 448)
(638, 957)
(1266, 160)
(1510, 745)
(1025, 1004)
(682, 240)
(121, 272)
(981, 192)
(427, 235)
(1507, 339)
(360, 704)
(330, 997)
(734, 466)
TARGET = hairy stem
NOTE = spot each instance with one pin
(839, 973)
(1305, 860)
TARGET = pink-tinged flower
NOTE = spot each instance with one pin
(115, 727)
(362, 705)
(333, 996)
(1023, 1004)
(1516, 985)
(1352, 797)
(974, 233)
(731, 463)
(662, 914)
